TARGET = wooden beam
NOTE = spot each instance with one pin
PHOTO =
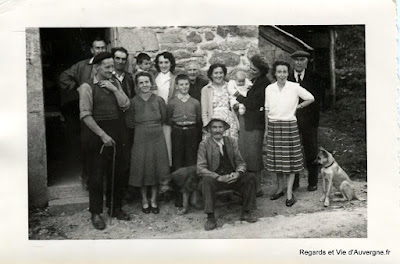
(281, 45)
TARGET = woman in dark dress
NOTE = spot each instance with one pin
(149, 156)
(252, 123)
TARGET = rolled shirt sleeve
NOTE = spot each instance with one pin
(122, 99)
(85, 100)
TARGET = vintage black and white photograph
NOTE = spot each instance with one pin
(199, 131)
(167, 132)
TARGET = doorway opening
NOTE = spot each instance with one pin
(61, 48)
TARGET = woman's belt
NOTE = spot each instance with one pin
(184, 125)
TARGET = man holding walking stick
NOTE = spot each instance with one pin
(100, 101)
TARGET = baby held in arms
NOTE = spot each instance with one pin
(239, 86)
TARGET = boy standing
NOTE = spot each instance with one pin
(184, 116)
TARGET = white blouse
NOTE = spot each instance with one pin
(162, 82)
(281, 104)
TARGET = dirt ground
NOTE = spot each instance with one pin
(342, 132)
(348, 219)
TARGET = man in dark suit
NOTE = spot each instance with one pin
(308, 118)
(120, 56)
(220, 166)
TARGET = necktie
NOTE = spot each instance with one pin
(299, 77)
(221, 148)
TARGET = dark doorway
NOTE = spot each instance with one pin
(317, 36)
(61, 48)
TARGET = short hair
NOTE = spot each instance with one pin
(192, 63)
(102, 56)
(121, 49)
(98, 38)
(213, 67)
(142, 57)
(168, 56)
(181, 77)
(280, 63)
(144, 74)
(260, 64)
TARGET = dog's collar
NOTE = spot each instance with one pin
(329, 165)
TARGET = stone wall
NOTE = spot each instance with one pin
(37, 166)
(231, 45)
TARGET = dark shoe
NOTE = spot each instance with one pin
(146, 210)
(276, 196)
(98, 222)
(210, 224)
(312, 188)
(290, 202)
(248, 217)
(154, 210)
(259, 193)
(119, 214)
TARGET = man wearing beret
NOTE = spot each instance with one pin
(308, 117)
(220, 166)
(101, 100)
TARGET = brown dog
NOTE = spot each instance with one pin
(186, 181)
(333, 174)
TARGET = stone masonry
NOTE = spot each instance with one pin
(37, 157)
(231, 45)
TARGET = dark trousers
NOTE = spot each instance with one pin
(100, 165)
(245, 185)
(184, 147)
(127, 135)
(309, 139)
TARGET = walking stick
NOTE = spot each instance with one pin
(112, 180)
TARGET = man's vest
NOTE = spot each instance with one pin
(105, 105)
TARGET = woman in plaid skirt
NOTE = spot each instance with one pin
(284, 154)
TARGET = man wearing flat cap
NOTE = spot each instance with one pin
(308, 117)
(220, 166)
(101, 101)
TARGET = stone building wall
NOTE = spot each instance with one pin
(231, 45)
(37, 158)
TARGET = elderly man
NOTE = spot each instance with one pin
(100, 101)
(196, 84)
(308, 117)
(120, 56)
(69, 81)
(220, 166)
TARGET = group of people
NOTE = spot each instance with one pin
(137, 128)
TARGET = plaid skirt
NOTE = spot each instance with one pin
(283, 147)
